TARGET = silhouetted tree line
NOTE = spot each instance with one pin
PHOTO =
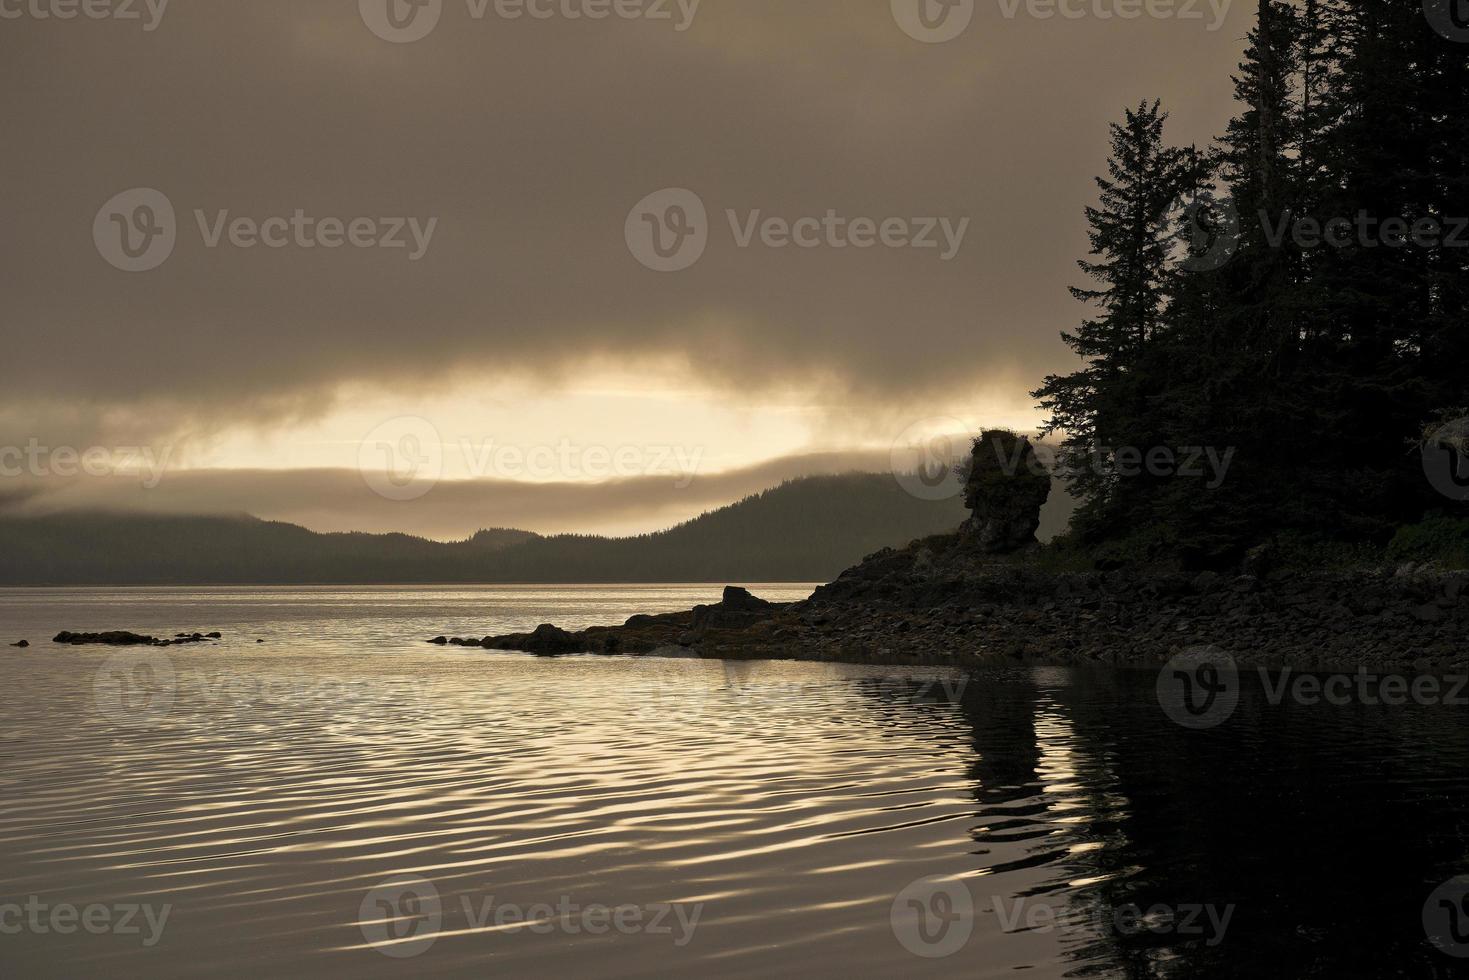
(1222, 321)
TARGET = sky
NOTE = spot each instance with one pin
(507, 263)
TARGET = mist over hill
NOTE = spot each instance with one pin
(804, 530)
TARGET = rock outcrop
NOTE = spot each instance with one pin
(123, 638)
(1005, 487)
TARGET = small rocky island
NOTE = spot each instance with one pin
(125, 638)
(989, 593)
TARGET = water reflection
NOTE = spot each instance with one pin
(1293, 841)
(796, 806)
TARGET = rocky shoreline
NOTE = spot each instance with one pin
(940, 601)
(990, 592)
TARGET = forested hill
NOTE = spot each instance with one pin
(806, 530)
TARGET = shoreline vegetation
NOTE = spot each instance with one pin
(1326, 370)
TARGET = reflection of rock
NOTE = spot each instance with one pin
(1006, 486)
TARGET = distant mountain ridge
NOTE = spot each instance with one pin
(808, 529)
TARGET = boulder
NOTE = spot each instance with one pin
(737, 610)
(740, 600)
(1005, 487)
(548, 639)
(22, 644)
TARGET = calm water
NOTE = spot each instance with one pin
(345, 800)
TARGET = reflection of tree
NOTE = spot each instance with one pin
(1326, 828)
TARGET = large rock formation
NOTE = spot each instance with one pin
(1005, 486)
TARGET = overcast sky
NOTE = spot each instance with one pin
(519, 315)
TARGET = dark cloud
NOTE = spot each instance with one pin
(529, 141)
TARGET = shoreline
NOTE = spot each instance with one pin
(936, 603)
